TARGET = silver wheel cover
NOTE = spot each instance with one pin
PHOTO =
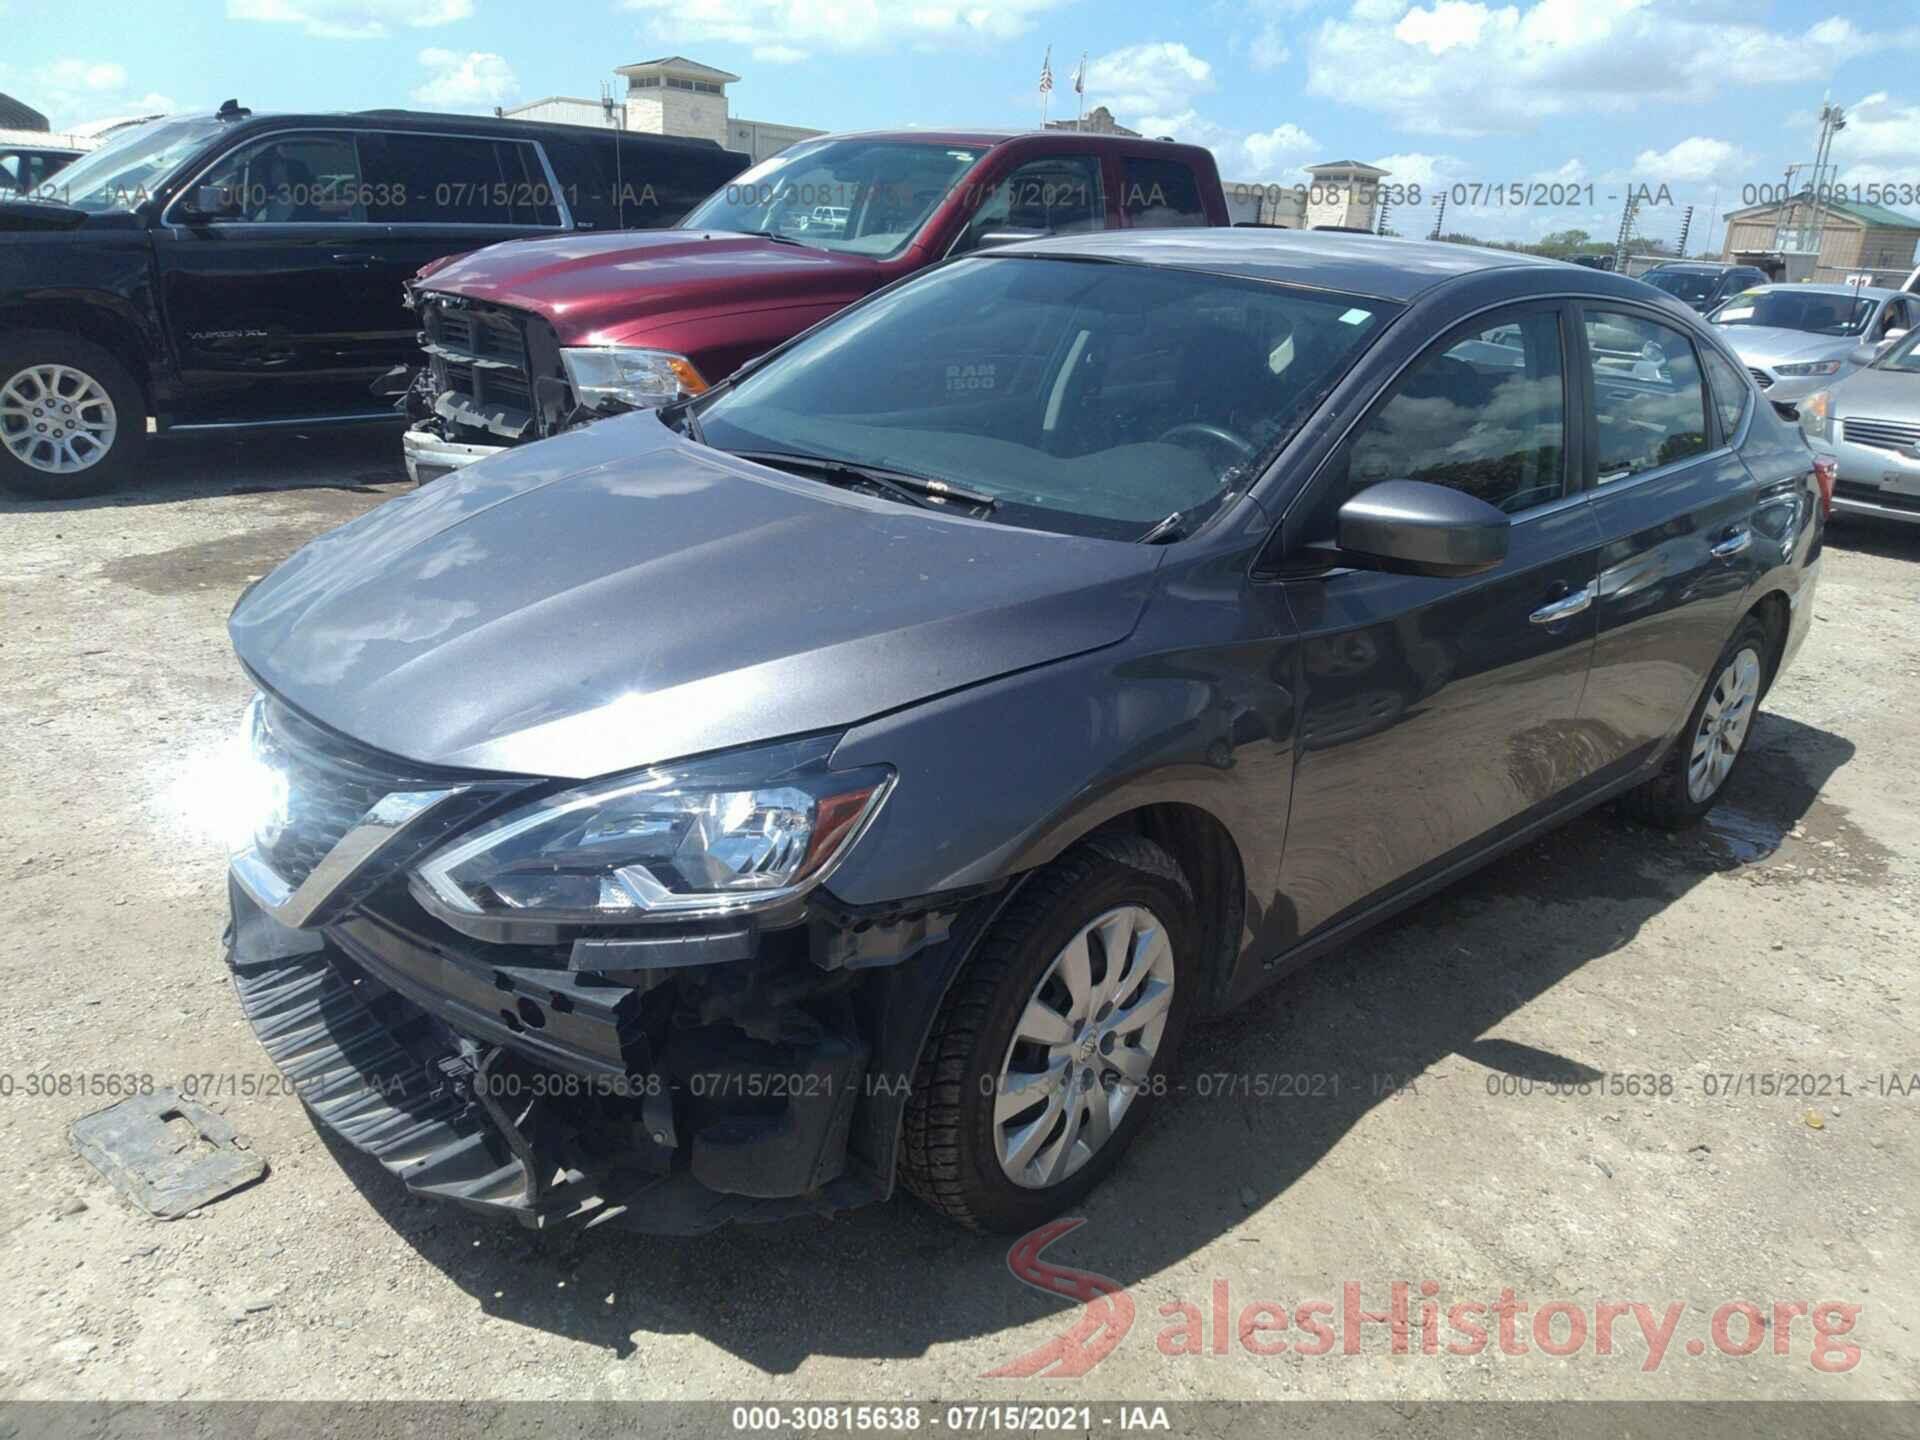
(1723, 725)
(1083, 1047)
(56, 419)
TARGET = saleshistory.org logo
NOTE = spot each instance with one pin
(1415, 1321)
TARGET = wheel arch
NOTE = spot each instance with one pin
(1774, 611)
(98, 324)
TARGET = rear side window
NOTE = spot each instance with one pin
(455, 180)
(1484, 411)
(1648, 397)
(1730, 391)
(1159, 194)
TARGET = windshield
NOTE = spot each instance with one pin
(127, 169)
(1688, 285)
(1083, 397)
(1791, 308)
(865, 197)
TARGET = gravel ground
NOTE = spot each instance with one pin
(1777, 940)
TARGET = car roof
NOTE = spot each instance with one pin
(1700, 265)
(1375, 265)
(1828, 287)
(440, 121)
(989, 136)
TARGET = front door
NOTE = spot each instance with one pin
(1434, 712)
(275, 304)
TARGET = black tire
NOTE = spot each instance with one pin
(948, 1158)
(1665, 801)
(43, 347)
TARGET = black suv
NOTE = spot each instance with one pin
(1704, 285)
(233, 271)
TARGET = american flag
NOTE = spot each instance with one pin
(1080, 76)
(1046, 73)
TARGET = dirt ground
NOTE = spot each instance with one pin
(1431, 1139)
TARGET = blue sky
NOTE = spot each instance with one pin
(1704, 97)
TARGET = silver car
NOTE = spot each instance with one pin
(1796, 339)
(1870, 424)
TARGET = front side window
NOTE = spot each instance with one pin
(1055, 195)
(1692, 286)
(310, 178)
(1159, 194)
(865, 197)
(1648, 397)
(1484, 411)
(1086, 398)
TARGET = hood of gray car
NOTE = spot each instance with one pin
(1880, 394)
(618, 596)
(1769, 345)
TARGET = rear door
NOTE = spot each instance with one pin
(1435, 713)
(1681, 528)
(273, 306)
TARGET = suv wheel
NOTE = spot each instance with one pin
(1709, 748)
(1054, 1041)
(71, 417)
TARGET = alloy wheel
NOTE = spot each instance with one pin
(1083, 1047)
(57, 419)
(1723, 725)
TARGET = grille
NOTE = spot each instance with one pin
(1760, 377)
(1882, 434)
(331, 784)
(481, 362)
(1890, 499)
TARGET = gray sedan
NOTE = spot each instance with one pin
(1796, 339)
(1870, 424)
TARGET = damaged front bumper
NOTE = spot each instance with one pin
(558, 1096)
(430, 456)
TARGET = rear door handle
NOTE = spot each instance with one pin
(1565, 608)
(1735, 542)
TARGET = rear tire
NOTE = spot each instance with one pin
(1011, 1028)
(73, 420)
(1710, 748)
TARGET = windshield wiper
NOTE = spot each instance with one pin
(901, 485)
(1166, 530)
(776, 236)
(680, 416)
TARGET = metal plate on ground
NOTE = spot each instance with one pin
(165, 1153)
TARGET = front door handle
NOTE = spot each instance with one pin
(1733, 544)
(1565, 608)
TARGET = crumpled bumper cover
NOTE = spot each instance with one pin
(369, 1047)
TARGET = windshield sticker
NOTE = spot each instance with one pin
(1356, 317)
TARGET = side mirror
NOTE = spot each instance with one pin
(209, 202)
(1865, 354)
(1008, 237)
(1415, 528)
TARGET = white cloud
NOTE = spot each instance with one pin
(72, 91)
(1416, 167)
(791, 30)
(1280, 153)
(1462, 67)
(1157, 77)
(1693, 161)
(351, 19)
(470, 80)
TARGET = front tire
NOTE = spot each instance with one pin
(1695, 773)
(1054, 1042)
(72, 419)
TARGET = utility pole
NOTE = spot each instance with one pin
(1832, 121)
(1686, 224)
(1386, 209)
(1439, 216)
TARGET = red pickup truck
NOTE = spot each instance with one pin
(528, 338)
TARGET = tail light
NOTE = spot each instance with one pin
(1826, 470)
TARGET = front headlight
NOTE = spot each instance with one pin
(644, 379)
(1816, 415)
(1810, 367)
(737, 832)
